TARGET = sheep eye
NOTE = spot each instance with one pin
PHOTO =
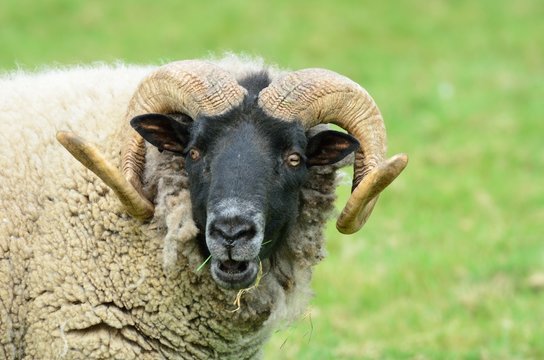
(293, 160)
(194, 154)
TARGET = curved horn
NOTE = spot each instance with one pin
(192, 87)
(86, 153)
(315, 96)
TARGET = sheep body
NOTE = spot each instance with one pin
(81, 279)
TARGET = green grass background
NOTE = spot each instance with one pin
(444, 268)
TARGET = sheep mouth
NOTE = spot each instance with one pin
(234, 275)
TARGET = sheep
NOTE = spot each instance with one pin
(110, 266)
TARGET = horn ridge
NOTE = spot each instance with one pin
(193, 87)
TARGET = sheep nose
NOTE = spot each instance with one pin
(232, 229)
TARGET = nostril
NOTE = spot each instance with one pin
(233, 229)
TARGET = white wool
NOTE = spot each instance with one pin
(81, 279)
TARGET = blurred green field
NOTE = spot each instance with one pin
(446, 266)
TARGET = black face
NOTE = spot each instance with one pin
(245, 171)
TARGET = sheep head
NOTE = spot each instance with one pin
(209, 95)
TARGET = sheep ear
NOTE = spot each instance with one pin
(162, 131)
(329, 147)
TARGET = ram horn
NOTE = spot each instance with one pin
(87, 154)
(193, 87)
(314, 96)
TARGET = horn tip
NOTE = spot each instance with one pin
(400, 159)
(347, 230)
(63, 135)
(396, 164)
(70, 141)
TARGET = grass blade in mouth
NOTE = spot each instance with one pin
(203, 264)
(241, 292)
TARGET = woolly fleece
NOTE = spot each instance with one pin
(80, 279)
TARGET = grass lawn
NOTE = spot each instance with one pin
(445, 267)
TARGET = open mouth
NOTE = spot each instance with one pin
(236, 275)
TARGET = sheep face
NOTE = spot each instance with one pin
(244, 191)
(245, 172)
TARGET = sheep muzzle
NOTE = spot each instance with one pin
(234, 236)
